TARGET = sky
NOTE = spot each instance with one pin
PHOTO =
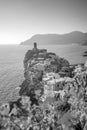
(21, 19)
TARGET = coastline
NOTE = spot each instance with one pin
(49, 90)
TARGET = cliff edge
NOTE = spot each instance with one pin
(53, 95)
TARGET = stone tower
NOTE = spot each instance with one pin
(35, 47)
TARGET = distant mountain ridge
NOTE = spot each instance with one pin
(72, 37)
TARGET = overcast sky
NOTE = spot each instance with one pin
(21, 19)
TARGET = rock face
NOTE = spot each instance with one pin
(53, 95)
(37, 63)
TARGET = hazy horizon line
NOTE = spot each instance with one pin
(42, 34)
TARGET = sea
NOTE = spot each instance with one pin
(12, 70)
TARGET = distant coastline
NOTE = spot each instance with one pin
(76, 37)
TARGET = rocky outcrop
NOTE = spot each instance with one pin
(37, 63)
(53, 95)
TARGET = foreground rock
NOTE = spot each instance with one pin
(53, 95)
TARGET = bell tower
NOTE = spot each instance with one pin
(35, 47)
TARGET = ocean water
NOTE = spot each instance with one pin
(11, 65)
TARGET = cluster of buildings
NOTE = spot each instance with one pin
(61, 100)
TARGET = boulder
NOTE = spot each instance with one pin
(4, 109)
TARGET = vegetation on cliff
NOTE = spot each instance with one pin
(53, 95)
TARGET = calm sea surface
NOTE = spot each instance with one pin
(11, 65)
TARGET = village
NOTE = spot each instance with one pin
(53, 95)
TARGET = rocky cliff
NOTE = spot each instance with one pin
(37, 63)
(53, 95)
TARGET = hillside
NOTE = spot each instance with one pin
(73, 37)
(53, 95)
